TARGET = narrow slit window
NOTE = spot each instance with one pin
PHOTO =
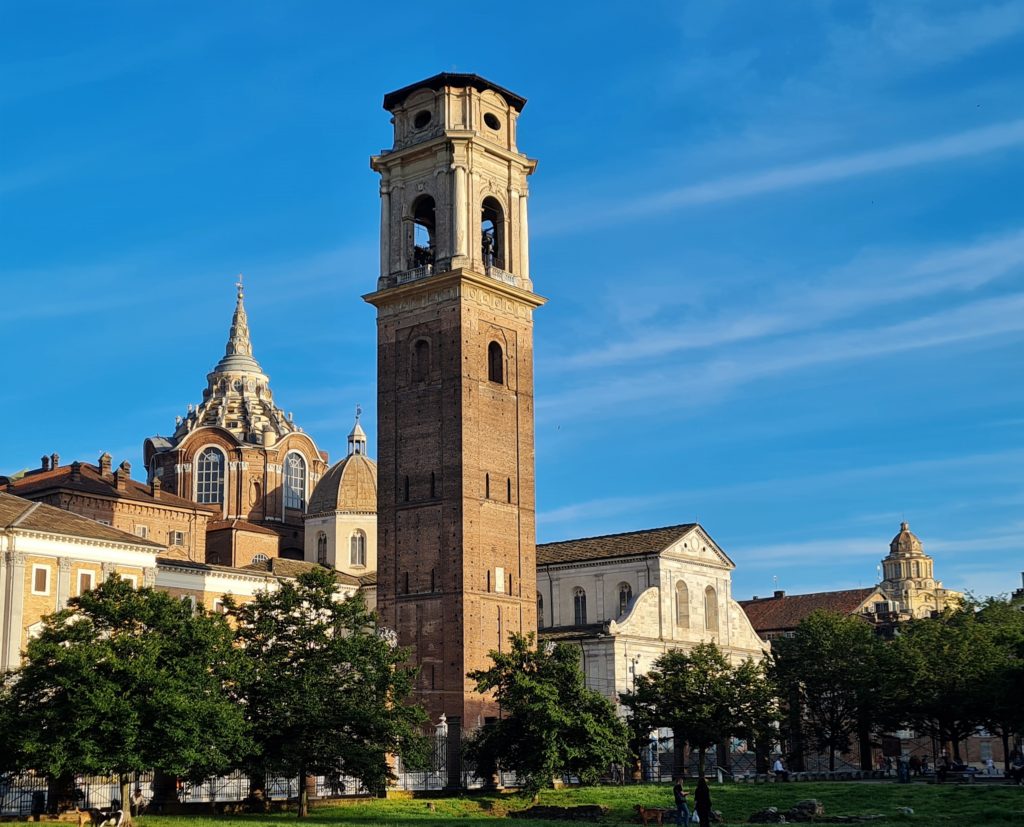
(495, 364)
(407, 488)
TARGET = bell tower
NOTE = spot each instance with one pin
(456, 515)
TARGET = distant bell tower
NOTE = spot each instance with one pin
(456, 515)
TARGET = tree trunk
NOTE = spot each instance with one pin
(956, 748)
(831, 758)
(796, 741)
(1006, 751)
(701, 760)
(126, 801)
(60, 793)
(303, 794)
(864, 736)
(165, 791)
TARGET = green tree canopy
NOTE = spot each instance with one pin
(836, 671)
(550, 722)
(703, 698)
(325, 691)
(126, 680)
(946, 662)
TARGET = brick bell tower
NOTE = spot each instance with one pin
(456, 515)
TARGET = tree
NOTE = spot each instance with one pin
(325, 690)
(946, 663)
(1003, 713)
(550, 723)
(831, 672)
(125, 680)
(703, 698)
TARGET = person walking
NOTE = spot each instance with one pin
(702, 801)
(682, 810)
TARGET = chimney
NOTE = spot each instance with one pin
(105, 465)
(156, 487)
(780, 593)
(45, 463)
(54, 460)
(76, 471)
(122, 475)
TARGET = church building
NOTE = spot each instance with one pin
(238, 452)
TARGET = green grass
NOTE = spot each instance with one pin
(959, 804)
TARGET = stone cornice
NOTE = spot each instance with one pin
(442, 287)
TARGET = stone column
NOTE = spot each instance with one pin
(461, 213)
(385, 230)
(14, 616)
(63, 582)
(524, 240)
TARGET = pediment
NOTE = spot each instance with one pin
(696, 544)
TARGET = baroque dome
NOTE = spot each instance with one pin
(905, 542)
(348, 485)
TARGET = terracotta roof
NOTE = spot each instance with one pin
(649, 541)
(36, 483)
(281, 567)
(239, 525)
(368, 579)
(349, 485)
(784, 612)
(19, 513)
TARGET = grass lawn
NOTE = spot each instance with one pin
(960, 804)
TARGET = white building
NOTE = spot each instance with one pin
(628, 598)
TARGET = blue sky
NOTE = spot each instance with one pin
(783, 245)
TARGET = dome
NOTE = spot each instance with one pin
(348, 485)
(905, 542)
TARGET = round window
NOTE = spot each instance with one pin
(492, 121)
(421, 119)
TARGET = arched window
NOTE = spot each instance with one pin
(321, 548)
(424, 222)
(495, 363)
(421, 361)
(710, 609)
(357, 548)
(625, 595)
(492, 233)
(579, 606)
(294, 481)
(260, 558)
(210, 476)
(682, 605)
(540, 610)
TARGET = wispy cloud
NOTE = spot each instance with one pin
(958, 145)
(708, 380)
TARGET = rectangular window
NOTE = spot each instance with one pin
(141, 531)
(85, 581)
(131, 579)
(103, 522)
(499, 580)
(40, 579)
(177, 538)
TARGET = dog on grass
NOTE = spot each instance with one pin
(650, 815)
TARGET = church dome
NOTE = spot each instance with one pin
(348, 485)
(905, 542)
